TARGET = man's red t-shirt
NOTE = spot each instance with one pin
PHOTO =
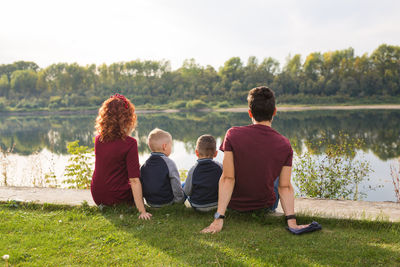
(115, 163)
(259, 154)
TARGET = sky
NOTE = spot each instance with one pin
(210, 31)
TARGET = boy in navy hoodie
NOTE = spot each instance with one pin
(159, 174)
(201, 185)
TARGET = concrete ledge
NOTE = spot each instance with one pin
(46, 195)
(385, 211)
(349, 209)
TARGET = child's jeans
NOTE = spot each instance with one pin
(273, 207)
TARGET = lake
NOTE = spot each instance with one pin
(38, 143)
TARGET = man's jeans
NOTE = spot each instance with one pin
(276, 184)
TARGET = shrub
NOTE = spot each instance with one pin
(57, 102)
(31, 103)
(196, 104)
(3, 104)
(80, 169)
(395, 173)
(96, 100)
(335, 174)
(179, 104)
(223, 104)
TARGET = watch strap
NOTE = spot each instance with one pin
(219, 216)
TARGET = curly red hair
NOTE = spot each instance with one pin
(116, 119)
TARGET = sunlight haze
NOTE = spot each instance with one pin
(211, 32)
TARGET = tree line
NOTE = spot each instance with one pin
(336, 74)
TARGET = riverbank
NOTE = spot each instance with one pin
(344, 209)
(139, 110)
(304, 108)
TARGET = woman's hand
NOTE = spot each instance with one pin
(136, 186)
(145, 215)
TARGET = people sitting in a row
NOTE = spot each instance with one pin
(118, 177)
(257, 165)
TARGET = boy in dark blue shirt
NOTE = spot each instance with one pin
(159, 175)
(201, 185)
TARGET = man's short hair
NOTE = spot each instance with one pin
(206, 146)
(261, 103)
(157, 138)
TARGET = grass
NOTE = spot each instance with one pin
(54, 235)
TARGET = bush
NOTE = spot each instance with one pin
(55, 102)
(179, 104)
(80, 169)
(196, 104)
(223, 104)
(96, 100)
(3, 104)
(334, 175)
(395, 173)
(31, 103)
(75, 100)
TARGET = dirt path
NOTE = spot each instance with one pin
(234, 109)
(387, 211)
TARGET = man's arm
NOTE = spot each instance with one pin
(226, 185)
(136, 187)
(286, 194)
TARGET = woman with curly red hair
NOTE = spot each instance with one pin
(116, 173)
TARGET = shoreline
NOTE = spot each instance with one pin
(304, 108)
(329, 208)
(232, 109)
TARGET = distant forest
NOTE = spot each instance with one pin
(334, 77)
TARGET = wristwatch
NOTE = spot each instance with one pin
(218, 216)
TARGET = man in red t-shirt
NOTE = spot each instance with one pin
(254, 157)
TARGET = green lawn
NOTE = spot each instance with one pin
(51, 235)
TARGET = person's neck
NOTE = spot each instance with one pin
(158, 152)
(265, 123)
(200, 157)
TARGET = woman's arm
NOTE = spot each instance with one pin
(136, 186)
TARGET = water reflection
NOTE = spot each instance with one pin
(379, 129)
(39, 142)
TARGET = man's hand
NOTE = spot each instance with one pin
(215, 227)
(145, 216)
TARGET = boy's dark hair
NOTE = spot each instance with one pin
(206, 146)
(261, 103)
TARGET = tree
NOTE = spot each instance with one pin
(8, 69)
(42, 86)
(231, 71)
(386, 60)
(4, 85)
(23, 82)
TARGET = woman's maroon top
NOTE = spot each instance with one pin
(115, 162)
